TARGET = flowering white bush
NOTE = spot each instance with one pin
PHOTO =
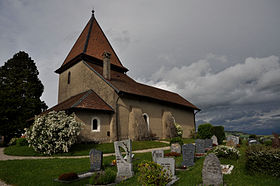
(53, 132)
(179, 129)
(226, 152)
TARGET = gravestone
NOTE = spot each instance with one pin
(124, 167)
(230, 143)
(175, 147)
(215, 140)
(211, 171)
(208, 143)
(96, 159)
(188, 155)
(168, 164)
(199, 146)
(234, 139)
(157, 154)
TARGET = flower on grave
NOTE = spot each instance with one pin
(114, 162)
(226, 152)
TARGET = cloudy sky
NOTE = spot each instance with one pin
(222, 55)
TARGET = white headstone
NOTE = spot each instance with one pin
(157, 154)
(215, 140)
(124, 166)
(168, 164)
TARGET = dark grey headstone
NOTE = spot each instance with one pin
(199, 145)
(208, 143)
(96, 159)
(188, 155)
(211, 171)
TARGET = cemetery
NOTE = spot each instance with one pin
(230, 163)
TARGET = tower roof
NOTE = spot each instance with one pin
(92, 42)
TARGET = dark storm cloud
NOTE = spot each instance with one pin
(217, 53)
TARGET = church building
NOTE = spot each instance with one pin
(94, 85)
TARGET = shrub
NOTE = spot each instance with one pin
(226, 152)
(13, 141)
(68, 176)
(204, 131)
(103, 178)
(52, 133)
(254, 136)
(179, 130)
(151, 173)
(21, 142)
(262, 159)
(219, 132)
(268, 143)
(177, 140)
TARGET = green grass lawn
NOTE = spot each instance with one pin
(42, 172)
(82, 149)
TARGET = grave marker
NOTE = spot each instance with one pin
(175, 147)
(199, 146)
(212, 172)
(124, 167)
(215, 140)
(208, 143)
(188, 154)
(157, 154)
(96, 159)
(168, 164)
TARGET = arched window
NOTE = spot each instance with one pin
(95, 124)
(147, 120)
(69, 76)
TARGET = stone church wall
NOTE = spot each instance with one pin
(159, 116)
(83, 79)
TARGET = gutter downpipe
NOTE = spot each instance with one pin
(117, 117)
(197, 111)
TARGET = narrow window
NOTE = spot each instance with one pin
(69, 76)
(95, 124)
(147, 120)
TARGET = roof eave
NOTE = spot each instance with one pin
(87, 58)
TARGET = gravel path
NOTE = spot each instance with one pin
(8, 157)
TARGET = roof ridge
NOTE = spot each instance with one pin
(102, 99)
(89, 32)
(82, 98)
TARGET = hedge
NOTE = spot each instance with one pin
(219, 132)
(204, 131)
(262, 159)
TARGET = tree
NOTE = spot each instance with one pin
(20, 92)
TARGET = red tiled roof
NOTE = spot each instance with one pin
(86, 100)
(126, 84)
(94, 43)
